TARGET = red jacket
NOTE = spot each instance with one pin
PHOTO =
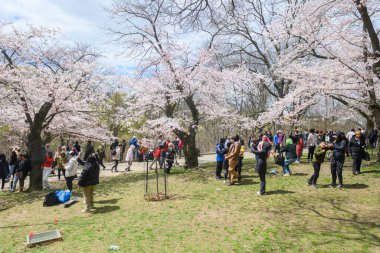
(48, 162)
(157, 153)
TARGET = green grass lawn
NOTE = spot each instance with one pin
(205, 215)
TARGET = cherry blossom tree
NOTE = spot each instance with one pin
(48, 88)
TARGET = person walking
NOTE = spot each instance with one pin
(116, 157)
(129, 157)
(233, 158)
(71, 169)
(88, 179)
(262, 152)
(312, 142)
(291, 156)
(338, 157)
(356, 148)
(317, 160)
(47, 168)
(220, 152)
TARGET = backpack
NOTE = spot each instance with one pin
(113, 152)
(50, 199)
(279, 160)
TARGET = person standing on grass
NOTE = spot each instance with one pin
(116, 157)
(239, 166)
(4, 170)
(47, 168)
(317, 160)
(356, 148)
(89, 150)
(220, 152)
(299, 147)
(101, 154)
(312, 142)
(227, 146)
(170, 157)
(61, 160)
(12, 164)
(291, 156)
(88, 179)
(233, 158)
(22, 170)
(71, 169)
(337, 161)
(262, 153)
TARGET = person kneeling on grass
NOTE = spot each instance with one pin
(262, 152)
(87, 180)
(318, 159)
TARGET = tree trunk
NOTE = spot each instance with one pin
(191, 154)
(35, 152)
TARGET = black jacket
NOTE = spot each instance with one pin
(89, 150)
(24, 166)
(13, 158)
(339, 150)
(89, 175)
(4, 169)
(356, 147)
(291, 151)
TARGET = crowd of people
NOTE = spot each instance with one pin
(287, 150)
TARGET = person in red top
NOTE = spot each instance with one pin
(47, 167)
(180, 148)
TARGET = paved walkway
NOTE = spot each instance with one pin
(137, 167)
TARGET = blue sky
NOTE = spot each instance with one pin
(78, 20)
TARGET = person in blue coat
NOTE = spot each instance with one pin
(220, 151)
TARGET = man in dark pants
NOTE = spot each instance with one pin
(262, 156)
(339, 148)
(356, 149)
(220, 152)
(318, 159)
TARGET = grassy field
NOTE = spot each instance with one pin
(204, 215)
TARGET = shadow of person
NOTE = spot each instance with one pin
(108, 201)
(355, 186)
(299, 174)
(370, 171)
(106, 209)
(280, 192)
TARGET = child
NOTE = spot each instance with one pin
(318, 159)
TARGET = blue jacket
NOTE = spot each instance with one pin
(133, 142)
(275, 139)
(220, 153)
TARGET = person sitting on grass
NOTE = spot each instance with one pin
(87, 180)
(291, 156)
(317, 160)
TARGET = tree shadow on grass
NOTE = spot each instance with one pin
(280, 192)
(106, 209)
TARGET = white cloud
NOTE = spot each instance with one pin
(78, 20)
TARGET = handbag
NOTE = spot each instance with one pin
(279, 160)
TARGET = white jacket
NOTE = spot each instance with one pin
(72, 167)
